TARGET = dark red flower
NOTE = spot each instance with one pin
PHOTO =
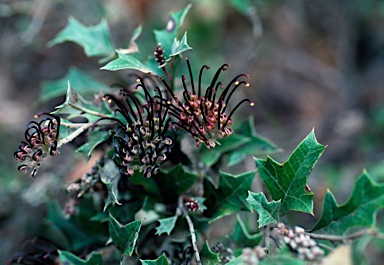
(204, 115)
(41, 139)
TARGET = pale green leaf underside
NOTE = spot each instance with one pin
(81, 82)
(126, 61)
(162, 260)
(166, 37)
(68, 258)
(166, 225)
(95, 40)
(268, 211)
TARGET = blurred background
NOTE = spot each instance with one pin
(313, 64)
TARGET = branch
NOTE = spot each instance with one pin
(73, 135)
(78, 125)
(191, 231)
(95, 113)
(372, 232)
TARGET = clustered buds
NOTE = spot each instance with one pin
(225, 254)
(89, 182)
(252, 256)
(191, 204)
(159, 55)
(300, 242)
(204, 115)
(140, 142)
(41, 139)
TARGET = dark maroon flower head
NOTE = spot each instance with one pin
(204, 114)
(41, 139)
(191, 204)
(159, 55)
(140, 140)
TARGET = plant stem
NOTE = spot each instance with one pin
(78, 125)
(191, 231)
(372, 232)
(95, 113)
(73, 135)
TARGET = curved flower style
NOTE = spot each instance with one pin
(141, 142)
(204, 115)
(41, 139)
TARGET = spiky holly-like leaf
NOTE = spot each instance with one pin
(359, 211)
(94, 140)
(126, 61)
(166, 37)
(95, 40)
(229, 197)
(109, 175)
(181, 46)
(162, 260)
(80, 82)
(268, 211)
(76, 106)
(287, 181)
(68, 258)
(124, 236)
(166, 225)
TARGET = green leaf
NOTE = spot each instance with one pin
(210, 157)
(166, 225)
(359, 211)
(75, 106)
(109, 175)
(242, 6)
(133, 48)
(268, 211)
(124, 236)
(241, 237)
(77, 238)
(162, 260)
(174, 182)
(208, 257)
(257, 145)
(68, 258)
(126, 61)
(94, 140)
(81, 82)
(283, 257)
(95, 40)
(167, 36)
(179, 47)
(229, 197)
(287, 181)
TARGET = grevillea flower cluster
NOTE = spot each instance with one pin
(204, 115)
(41, 139)
(141, 141)
(145, 135)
